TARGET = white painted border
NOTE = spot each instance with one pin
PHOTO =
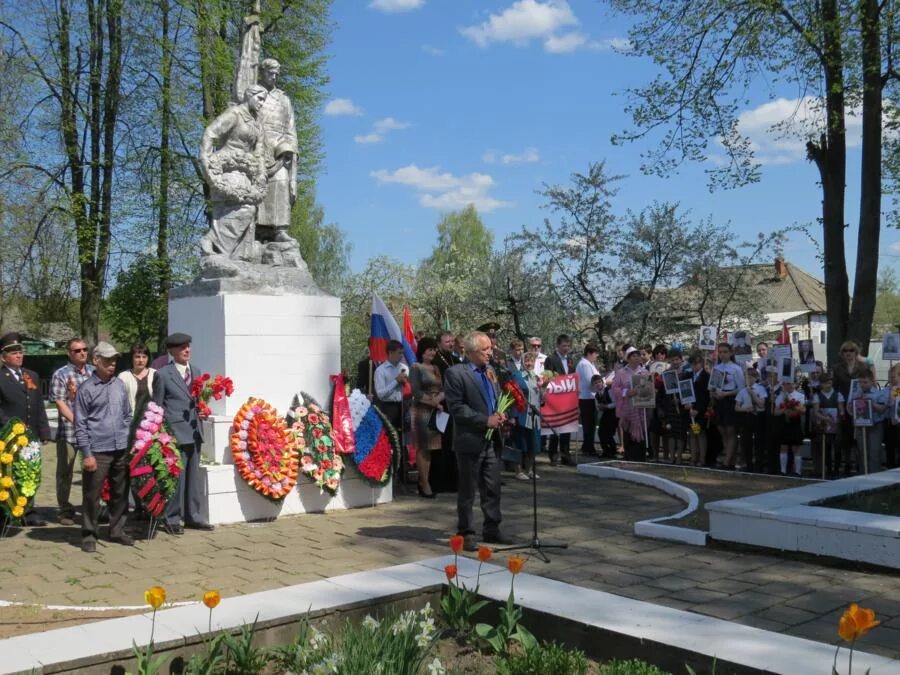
(707, 636)
(791, 520)
(655, 528)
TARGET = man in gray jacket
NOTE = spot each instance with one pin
(472, 391)
(172, 391)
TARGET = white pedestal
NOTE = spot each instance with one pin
(272, 346)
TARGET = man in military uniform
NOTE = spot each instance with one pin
(20, 396)
(276, 116)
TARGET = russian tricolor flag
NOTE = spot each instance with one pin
(383, 329)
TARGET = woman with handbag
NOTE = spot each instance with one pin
(428, 399)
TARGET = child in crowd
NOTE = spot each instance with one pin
(869, 438)
(790, 406)
(696, 411)
(828, 409)
(750, 409)
(730, 378)
(606, 413)
(668, 411)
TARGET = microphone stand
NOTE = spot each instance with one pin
(535, 546)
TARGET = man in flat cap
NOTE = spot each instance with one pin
(102, 423)
(20, 396)
(172, 391)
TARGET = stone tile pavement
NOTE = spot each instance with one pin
(45, 565)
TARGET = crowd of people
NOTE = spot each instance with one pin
(748, 413)
(98, 415)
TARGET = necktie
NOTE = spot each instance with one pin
(487, 391)
(187, 376)
(18, 372)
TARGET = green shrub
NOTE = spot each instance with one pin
(631, 667)
(548, 659)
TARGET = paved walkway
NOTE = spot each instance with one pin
(45, 565)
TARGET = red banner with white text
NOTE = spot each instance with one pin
(559, 414)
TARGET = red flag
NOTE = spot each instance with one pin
(341, 421)
(408, 331)
(785, 337)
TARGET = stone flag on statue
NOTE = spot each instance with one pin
(559, 414)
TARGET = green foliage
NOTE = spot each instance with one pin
(548, 659)
(887, 303)
(632, 667)
(323, 246)
(134, 309)
(241, 655)
(459, 606)
(397, 645)
(146, 663)
(210, 660)
(508, 630)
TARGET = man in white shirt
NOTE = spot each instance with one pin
(390, 378)
(587, 403)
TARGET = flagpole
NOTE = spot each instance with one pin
(371, 377)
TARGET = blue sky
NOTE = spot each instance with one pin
(437, 103)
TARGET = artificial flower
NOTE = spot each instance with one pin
(6, 482)
(514, 564)
(484, 553)
(18, 429)
(450, 571)
(456, 543)
(2, 446)
(6, 458)
(17, 511)
(212, 598)
(155, 596)
(855, 622)
(4, 495)
(21, 501)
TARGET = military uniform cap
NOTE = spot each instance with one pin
(11, 342)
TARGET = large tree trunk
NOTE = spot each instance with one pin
(865, 283)
(829, 154)
(164, 265)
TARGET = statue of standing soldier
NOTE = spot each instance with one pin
(250, 223)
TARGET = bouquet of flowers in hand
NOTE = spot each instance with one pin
(155, 462)
(509, 395)
(791, 408)
(546, 377)
(20, 468)
(204, 388)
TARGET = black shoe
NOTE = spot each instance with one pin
(200, 526)
(176, 529)
(424, 495)
(66, 518)
(469, 543)
(498, 538)
(122, 539)
(569, 461)
(34, 520)
(89, 546)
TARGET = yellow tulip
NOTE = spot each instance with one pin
(212, 598)
(155, 596)
(17, 512)
(4, 495)
(21, 501)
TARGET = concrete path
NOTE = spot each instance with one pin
(45, 565)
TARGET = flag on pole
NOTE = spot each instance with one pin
(408, 331)
(382, 329)
(785, 337)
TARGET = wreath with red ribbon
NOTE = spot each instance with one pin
(155, 462)
(264, 450)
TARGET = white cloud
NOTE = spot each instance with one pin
(523, 21)
(527, 156)
(342, 106)
(380, 129)
(433, 51)
(895, 247)
(778, 130)
(563, 44)
(394, 6)
(616, 44)
(443, 190)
